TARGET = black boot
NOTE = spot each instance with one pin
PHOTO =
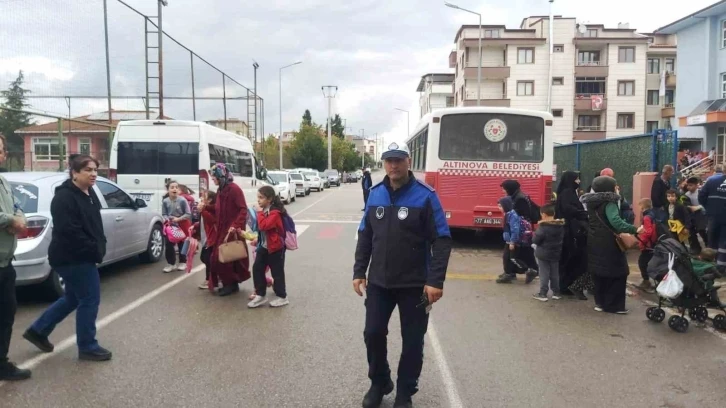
(579, 294)
(39, 340)
(375, 394)
(99, 354)
(229, 289)
(403, 401)
(11, 372)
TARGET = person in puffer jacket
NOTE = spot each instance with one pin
(548, 239)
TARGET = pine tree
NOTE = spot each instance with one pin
(10, 121)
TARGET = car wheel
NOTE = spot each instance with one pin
(54, 286)
(155, 247)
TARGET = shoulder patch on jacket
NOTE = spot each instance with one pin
(426, 185)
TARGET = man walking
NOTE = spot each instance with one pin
(12, 222)
(367, 183)
(712, 197)
(658, 193)
(404, 232)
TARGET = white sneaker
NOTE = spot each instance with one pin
(203, 285)
(182, 267)
(257, 302)
(169, 268)
(279, 302)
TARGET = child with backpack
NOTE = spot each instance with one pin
(517, 236)
(206, 229)
(548, 239)
(678, 217)
(270, 249)
(176, 212)
(646, 241)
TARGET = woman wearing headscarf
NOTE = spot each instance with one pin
(605, 260)
(569, 208)
(231, 210)
(523, 208)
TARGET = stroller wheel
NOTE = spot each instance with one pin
(719, 322)
(678, 323)
(658, 315)
(699, 313)
(649, 313)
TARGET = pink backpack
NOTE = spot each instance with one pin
(174, 234)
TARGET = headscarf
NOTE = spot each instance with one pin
(506, 203)
(222, 174)
(511, 187)
(568, 181)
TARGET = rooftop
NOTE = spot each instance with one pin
(691, 19)
(434, 78)
(85, 124)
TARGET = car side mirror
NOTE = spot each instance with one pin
(140, 203)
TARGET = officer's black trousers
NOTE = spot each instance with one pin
(380, 303)
(8, 306)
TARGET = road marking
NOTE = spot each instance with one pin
(301, 228)
(330, 232)
(470, 276)
(446, 377)
(71, 341)
(310, 206)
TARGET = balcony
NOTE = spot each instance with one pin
(583, 102)
(668, 111)
(583, 133)
(498, 72)
(487, 101)
(591, 69)
(670, 79)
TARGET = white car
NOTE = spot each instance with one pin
(302, 185)
(316, 182)
(285, 186)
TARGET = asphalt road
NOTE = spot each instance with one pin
(488, 345)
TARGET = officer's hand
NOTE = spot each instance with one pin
(359, 286)
(434, 294)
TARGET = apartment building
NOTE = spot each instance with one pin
(700, 103)
(660, 82)
(598, 76)
(436, 92)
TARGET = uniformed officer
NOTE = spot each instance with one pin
(406, 240)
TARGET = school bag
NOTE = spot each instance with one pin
(525, 227)
(290, 233)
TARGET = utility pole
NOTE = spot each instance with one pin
(108, 80)
(552, 55)
(329, 92)
(255, 65)
(162, 3)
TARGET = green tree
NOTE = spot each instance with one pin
(308, 148)
(10, 121)
(337, 126)
(271, 152)
(307, 118)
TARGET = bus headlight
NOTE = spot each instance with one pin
(448, 214)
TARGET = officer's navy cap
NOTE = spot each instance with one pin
(397, 151)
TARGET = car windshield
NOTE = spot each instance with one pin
(311, 174)
(331, 173)
(278, 177)
(296, 176)
(26, 197)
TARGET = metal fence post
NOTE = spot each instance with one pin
(654, 151)
(61, 145)
(577, 157)
(194, 99)
(674, 161)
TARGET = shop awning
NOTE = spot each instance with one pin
(711, 111)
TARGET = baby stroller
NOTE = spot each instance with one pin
(698, 287)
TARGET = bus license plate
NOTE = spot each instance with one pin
(143, 196)
(487, 221)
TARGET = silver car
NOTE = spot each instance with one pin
(131, 228)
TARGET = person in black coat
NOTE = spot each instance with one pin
(78, 244)
(658, 193)
(523, 208)
(570, 209)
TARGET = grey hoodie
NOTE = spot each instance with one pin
(548, 238)
(8, 210)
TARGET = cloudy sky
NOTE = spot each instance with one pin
(375, 51)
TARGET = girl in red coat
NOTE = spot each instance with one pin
(206, 232)
(270, 249)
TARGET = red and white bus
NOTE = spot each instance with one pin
(466, 153)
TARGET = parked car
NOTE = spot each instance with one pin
(352, 178)
(131, 228)
(302, 185)
(333, 177)
(316, 182)
(284, 185)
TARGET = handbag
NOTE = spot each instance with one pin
(231, 251)
(174, 233)
(624, 240)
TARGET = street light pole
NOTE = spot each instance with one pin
(363, 149)
(280, 140)
(408, 121)
(329, 92)
(478, 70)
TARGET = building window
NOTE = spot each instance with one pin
(653, 98)
(46, 148)
(626, 54)
(723, 34)
(654, 66)
(626, 121)
(651, 126)
(525, 88)
(626, 88)
(588, 58)
(591, 32)
(525, 55)
(491, 33)
(558, 48)
(449, 101)
(558, 81)
(723, 85)
(670, 98)
(588, 122)
(371, 150)
(84, 146)
(558, 113)
(670, 65)
(586, 86)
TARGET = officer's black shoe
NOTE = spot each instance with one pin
(403, 401)
(374, 396)
(99, 354)
(11, 372)
(39, 340)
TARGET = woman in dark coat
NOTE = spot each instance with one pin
(524, 209)
(605, 260)
(570, 209)
(231, 210)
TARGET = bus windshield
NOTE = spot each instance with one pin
(492, 137)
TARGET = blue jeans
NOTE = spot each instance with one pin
(83, 294)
